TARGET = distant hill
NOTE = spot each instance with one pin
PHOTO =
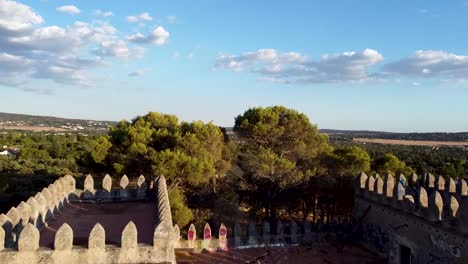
(10, 121)
(345, 135)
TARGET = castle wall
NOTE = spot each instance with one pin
(427, 216)
(20, 232)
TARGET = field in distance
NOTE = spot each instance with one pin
(427, 143)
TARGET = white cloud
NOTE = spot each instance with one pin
(159, 36)
(69, 9)
(103, 13)
(139, 18)
(431, 64)
(140, 72)
(16, 17)
(293, 67)
(29, 50)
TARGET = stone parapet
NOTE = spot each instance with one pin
(20, 232)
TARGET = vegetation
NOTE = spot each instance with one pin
(279, 165)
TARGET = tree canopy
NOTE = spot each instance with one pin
(281, 149)
(187, 154)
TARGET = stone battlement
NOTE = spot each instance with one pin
(20, 235)
(424, 220)
(435, 199)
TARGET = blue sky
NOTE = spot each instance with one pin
(377, 65)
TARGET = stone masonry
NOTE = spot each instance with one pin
(20, 232)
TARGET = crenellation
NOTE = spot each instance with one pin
(124, 182)
(107, 183)
(399, 191)
(378, 185)
(388, 186)
(453, 206)
(54, 198)
(450, 185)
(129, 244)
(24, 211)
(436, 205)
(48, 197)
(440, 183)
(14, 215)
(64, 238)
(28, 239)
(362, 180)
(97, 237)
(413, 179)
(191, 236)
(206, 236)
(20, 231)
(401, 178)
(141, 182)
(462, 188)
(42, 204)
(430, 180)
(370, 183)
(70, 182)
(34, 206)
(422, 200)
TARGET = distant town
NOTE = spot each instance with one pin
(53, 125)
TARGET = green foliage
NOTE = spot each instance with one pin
(100, 149)
(389, 163)
(348, 160)
(281, 149)
(181, 214)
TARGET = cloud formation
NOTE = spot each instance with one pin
(354, 66)
(159, 36)
(139, 18)
(293, 67)
(31, 50)
(430, 64)
(103, 13)
(69, 9)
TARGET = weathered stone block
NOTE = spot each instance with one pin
(29, 239)
(388, 186)
(124, 182)
(129, 236)
(64, 238)
(129, 245)
(14, 215)
(89, 183)
(97, 237)
(436, 205)
(107, 183)
(25, 212)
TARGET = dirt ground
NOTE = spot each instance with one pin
(297, 255)
(112, 216)
(411, 142)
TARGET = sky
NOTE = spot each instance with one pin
(382, 65)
